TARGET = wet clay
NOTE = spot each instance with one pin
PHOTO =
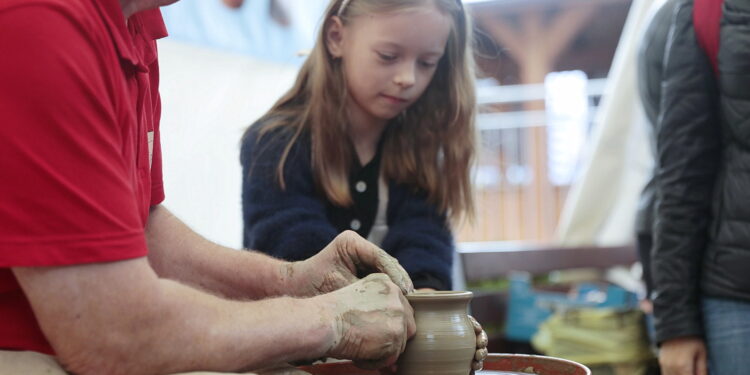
(445, 342)
(391, 267)
(369, 327)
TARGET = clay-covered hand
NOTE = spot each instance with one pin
(337, 265)
(482, 341)
(372, 321)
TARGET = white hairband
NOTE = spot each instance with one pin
(345, 3)
(342, 7)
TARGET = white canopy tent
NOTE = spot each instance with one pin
(208, 100)
(601, 206)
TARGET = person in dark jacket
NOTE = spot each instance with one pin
(376, 136)
(701, 254)
(650, 67)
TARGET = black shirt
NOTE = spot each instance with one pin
(363, 187)
(360, 216)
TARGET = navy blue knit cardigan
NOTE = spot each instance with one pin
(292, 224)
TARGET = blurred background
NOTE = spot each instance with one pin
(564, 147)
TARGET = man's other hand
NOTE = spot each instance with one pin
(338, 264)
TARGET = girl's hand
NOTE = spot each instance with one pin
(482, 341)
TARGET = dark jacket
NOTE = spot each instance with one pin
(702, 229)
(650, 66)
(292, 224)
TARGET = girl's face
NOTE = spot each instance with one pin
(388, 59)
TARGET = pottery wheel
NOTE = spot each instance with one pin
(495, 364)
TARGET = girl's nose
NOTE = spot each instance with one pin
(406, 76)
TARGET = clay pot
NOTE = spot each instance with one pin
(445, 341)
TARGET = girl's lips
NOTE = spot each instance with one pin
(394, 99)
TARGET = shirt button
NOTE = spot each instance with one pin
(355, 224)
(361, 186)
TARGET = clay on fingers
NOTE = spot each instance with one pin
(393, 269)
(482, 340)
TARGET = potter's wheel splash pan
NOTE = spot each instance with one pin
(495, 364)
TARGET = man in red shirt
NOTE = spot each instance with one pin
(94, 271)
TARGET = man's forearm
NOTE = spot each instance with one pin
(176, 252)
(163, 326)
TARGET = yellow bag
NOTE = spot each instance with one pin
(595, 336)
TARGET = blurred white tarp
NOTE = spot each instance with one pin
(208, 100)
(249, 30)
(601, 206)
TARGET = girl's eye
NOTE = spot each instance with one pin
(427, 64)
(386, 57)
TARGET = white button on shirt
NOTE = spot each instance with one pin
(355, 224)
(360, 186)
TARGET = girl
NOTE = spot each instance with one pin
(376, 136)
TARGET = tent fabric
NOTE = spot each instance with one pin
(601, 205)
(209, 98)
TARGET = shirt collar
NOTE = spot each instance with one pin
(133, 41)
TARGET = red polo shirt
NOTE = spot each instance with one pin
(80, 161)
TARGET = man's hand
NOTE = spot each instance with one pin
(482, 341)
(683, 356)
(337, 265)
(372, 322)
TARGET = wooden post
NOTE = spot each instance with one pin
(535, 42)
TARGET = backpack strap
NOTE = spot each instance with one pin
(707, 22)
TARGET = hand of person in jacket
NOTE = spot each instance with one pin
(338, 264)
(372, 322)
(683, 356)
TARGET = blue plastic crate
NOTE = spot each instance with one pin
(528, 308)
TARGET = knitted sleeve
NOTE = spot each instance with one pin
(286, 223)
(420, 238)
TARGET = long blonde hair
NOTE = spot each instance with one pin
(433, 145)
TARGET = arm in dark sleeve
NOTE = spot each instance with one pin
(689, 150)
(420, 238)
(290, 224)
